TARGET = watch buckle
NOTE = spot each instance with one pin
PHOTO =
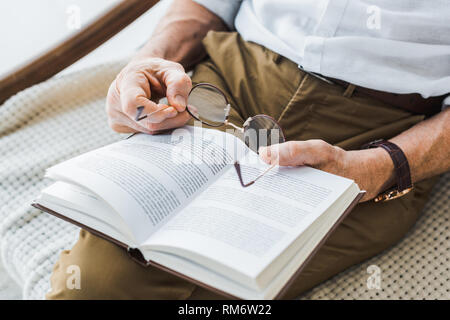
(391, 195)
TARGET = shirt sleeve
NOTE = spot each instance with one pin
(225, 9)
(446, 103)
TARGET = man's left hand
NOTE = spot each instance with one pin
(371, 169)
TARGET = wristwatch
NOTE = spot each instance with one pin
(401, 168)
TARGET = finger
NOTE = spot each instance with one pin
(115, 115)
(178, 86)
(178, 121)
(118, 120)
(134, 90)
(122, 128)
(163, 113)
(291, 153)
(269, 154)
(121, 123)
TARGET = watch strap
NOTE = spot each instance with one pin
(401, 165)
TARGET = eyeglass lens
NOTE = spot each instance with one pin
(262, 131)
(208, 104)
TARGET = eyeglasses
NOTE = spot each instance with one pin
(209, 105)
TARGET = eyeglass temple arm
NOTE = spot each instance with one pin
(139, 110)
(239, 173)
(237, 166)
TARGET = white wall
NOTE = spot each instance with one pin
(28, 27)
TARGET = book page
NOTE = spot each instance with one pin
(242, 230)
(146, 179)
(78, 204)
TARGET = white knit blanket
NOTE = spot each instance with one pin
(64, 116)
(39, 127)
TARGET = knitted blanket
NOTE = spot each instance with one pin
(39, 127)
(64, 116)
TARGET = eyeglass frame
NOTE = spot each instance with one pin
(237, 165)
(227, 109)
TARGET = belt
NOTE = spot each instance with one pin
(412, 102)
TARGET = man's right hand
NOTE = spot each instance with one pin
(144, 82)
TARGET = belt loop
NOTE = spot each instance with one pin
(277, 58)
(349, 91)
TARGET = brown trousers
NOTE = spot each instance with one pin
(258, 81)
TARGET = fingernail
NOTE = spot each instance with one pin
(266, 151)
(138, 113)
(171, 112)
(180, 100)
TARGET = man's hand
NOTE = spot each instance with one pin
(371, 169)
(157, 71)
(142, 83)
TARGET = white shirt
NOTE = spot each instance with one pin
(399, 46)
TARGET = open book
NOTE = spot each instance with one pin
(174, 201)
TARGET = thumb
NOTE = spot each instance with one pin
(283, 154)
(178, 86)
